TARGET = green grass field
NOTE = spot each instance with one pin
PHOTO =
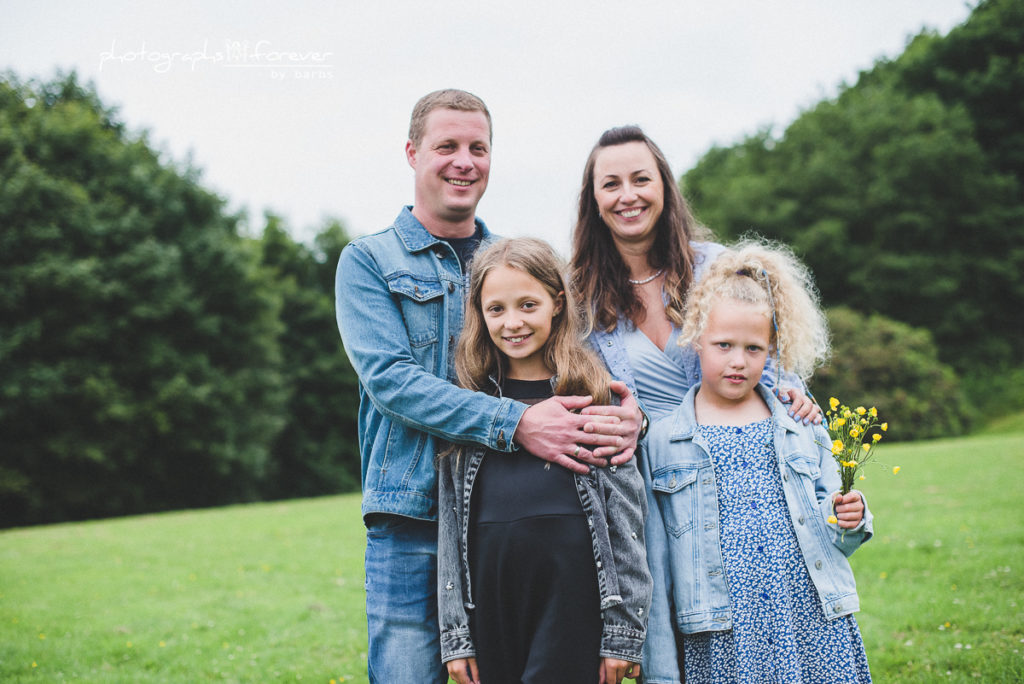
(273, 592)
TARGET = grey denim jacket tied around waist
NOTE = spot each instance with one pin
(615, 506)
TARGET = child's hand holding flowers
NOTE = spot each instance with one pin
(849, 509)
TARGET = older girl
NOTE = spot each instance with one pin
(542, 573)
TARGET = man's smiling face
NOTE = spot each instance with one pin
(452, 163)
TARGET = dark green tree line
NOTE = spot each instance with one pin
(903, 193)
(150, 356)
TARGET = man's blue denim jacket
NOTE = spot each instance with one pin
(613, 349)
(399, 303)
(615, 505)
(691, 591)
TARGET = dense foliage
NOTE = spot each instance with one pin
(884, 363)
(904, 193)
(149, 358)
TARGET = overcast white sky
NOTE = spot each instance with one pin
(303, 107)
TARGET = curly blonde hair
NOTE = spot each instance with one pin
(769, 275)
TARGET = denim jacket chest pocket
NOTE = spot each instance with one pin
(420, 299)
(806, 471)
(678, 499)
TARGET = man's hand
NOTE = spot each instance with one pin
(549, 430)
(622, 421)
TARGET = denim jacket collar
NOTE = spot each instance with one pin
(417, 238)
(685, 420)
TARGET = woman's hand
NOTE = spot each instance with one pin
(464, 671)
(849, 509)
(802, 407)
(613, 670)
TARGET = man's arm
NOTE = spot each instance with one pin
(377, 343)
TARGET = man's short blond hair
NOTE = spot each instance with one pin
(448, 98)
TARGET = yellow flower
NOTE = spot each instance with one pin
(837, 447)
(861, 477)
(875, 437)
(865, 446)
(861, 410)
(895, 470)
(840, 422)
(885, 426)
(833, 403)
(855, 431)
(833, 519)
(873, 411)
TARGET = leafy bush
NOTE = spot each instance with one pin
(877, 361)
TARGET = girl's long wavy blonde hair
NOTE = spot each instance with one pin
(769, 275)
(566, 353)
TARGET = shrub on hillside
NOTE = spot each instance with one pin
(877, 361)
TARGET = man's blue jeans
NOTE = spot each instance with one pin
(401, 601)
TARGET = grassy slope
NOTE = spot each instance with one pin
(273, 592)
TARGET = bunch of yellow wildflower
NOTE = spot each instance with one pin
(849, 429)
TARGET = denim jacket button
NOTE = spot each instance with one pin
(501, 442)
(785, 477)
(817, 565)
(449, 586)
(451, 287)
(800, 520)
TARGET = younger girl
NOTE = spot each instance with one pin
(747, 566)
(542, 573)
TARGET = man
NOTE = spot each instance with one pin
(400, 309)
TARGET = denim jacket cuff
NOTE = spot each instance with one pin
(456, 643)
(505, 425)
(623, 643)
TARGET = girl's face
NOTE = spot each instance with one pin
(733, 349)
(629, 193)
(518, 312)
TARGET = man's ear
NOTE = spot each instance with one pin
(410, 153)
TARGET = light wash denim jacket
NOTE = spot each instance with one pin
(613, 350)
(691, 591)
(615, 506)
(399, 304)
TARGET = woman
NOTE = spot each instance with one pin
(636, 250)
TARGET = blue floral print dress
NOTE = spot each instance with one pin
(779, 632)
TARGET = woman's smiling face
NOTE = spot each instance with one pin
(629, 192)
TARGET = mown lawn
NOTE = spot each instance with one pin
(273, 592)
